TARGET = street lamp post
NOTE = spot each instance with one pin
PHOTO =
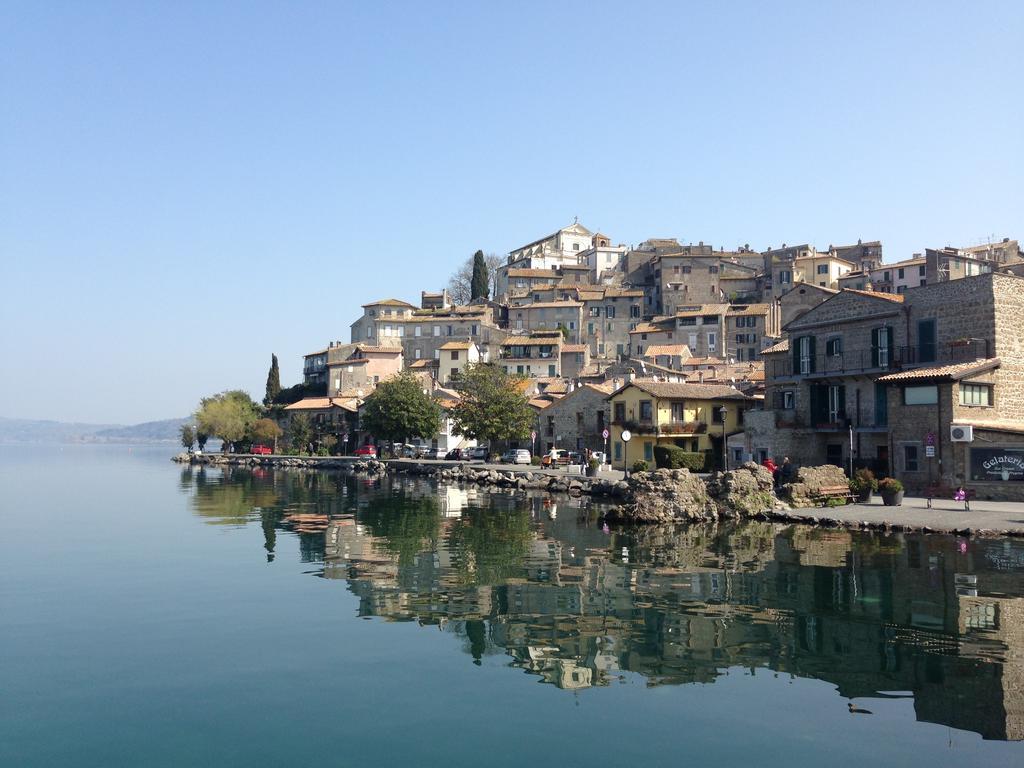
(725, 439)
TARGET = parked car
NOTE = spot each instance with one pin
(366, 450)
(575, 458)
(433, 453)
(457, 454)
(516, 456)
(480, 453)
(409, 451)
(261, 450)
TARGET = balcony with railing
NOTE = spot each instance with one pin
(877, 360)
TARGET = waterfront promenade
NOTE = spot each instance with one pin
(945, 515)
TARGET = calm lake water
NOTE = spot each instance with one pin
(159, 616)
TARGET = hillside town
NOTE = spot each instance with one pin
(913, 369)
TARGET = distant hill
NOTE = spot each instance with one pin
(44, 431)
(148, 431)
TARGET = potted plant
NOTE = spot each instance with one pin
(892, 491)
(863, 484)
(592, 466)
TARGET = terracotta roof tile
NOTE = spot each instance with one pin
(782, 346)
(951, 372)
(390, 303)
(690, 391)
(896, 298)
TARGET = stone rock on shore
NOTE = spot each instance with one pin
(743, 492)
(665, 496)
(809, 481)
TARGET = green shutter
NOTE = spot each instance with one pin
(874, 347)
(892, 348)
(842, 403)
(796, 354)
(813, 356)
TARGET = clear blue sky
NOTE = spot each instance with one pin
(188, 187)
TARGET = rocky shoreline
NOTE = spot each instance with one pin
(656, 497)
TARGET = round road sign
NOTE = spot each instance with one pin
(605, 434)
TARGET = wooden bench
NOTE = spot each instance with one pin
(945, 492)
(828, 492)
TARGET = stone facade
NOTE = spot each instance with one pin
(576, 421)
(900, 371)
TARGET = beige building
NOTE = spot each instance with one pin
(382, 323)
(455, 356)
(547, 316)
(532, 356)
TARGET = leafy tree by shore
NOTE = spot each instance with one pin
(492, 407)
(399, 409)
(228, 415)
(300, 432)
(188, 436)
(266, 431)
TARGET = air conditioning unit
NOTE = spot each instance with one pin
(961, 434)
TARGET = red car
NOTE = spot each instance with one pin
(262, 450)
(366, 450)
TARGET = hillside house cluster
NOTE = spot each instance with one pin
(813, 353)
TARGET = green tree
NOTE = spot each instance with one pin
(266, 431)
(273, 381)
(201, 438)
(300, 432)
(492, 406)
(188, 436)
(479, 285)
(399, 409)
(229, 416)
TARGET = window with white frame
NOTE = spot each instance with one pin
(805, 354)
(975, 394)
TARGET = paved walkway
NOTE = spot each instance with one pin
(945, 516)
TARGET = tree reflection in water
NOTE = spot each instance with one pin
(579, 606)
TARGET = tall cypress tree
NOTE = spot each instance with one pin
(273, 381)
(480, 283)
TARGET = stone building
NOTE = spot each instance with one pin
(314, 368)
(609, 314)
(970, 395)
(360, 366)
(425, 331)
(548, 316)
(577, 420)
(575, 359)
(799, 299)
(896, 375)
(865, 256)
(382, 323)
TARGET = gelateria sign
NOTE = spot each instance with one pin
(997, 464)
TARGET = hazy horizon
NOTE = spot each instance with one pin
(189, 187)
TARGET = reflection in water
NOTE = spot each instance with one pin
(579, 605)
